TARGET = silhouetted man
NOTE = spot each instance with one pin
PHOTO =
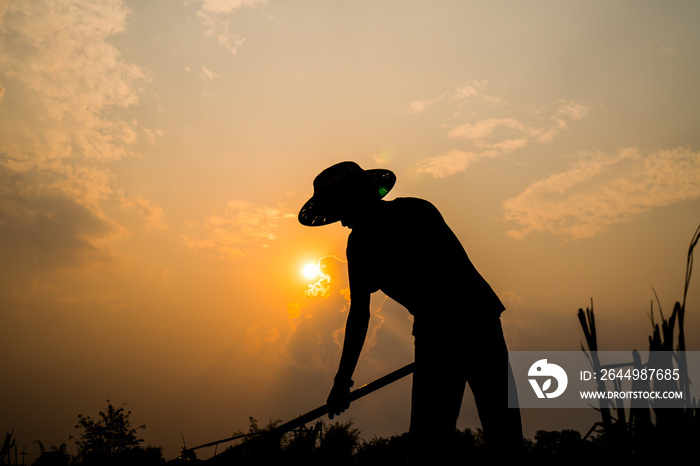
(405, 249)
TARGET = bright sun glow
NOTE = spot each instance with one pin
(311, 271)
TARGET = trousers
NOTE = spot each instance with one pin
(447, 358)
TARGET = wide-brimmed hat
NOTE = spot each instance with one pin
(338, 180)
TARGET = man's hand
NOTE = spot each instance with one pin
(339, 398)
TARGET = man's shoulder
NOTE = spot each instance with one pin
(412, 202)
(415, 206)
(392, 214)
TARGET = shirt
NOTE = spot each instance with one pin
(405, 249)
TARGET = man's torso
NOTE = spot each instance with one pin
(408, 252)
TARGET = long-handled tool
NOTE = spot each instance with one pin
(301, 420)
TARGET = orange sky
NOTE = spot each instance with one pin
(154, 156)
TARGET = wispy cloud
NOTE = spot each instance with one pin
(461, 95)
(601, 190)
(152, 215)
(231, 234)
(209, 75)
(448, 164)
(494, 137)
(668, 50)
(485, 128)
(569, 109)
(215, 16)
(418, 106)
(473, 91)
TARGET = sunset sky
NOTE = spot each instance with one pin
(154, 156)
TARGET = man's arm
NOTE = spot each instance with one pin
(355, 334)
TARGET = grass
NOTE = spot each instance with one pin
(643, 430)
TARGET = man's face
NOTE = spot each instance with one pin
(348, 210)
(350, 201)
(344, 202)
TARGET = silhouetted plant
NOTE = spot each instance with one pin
(469, 442)
(394, 450)
(110, 439)
(300, 445)
(260, 446)
(563, 445)
(254, 429)
(7, 445)
(54, 456)
(339, 443)
(676, 429)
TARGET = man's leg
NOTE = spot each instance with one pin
(488, 374)
(438, 389)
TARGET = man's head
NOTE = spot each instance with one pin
(345, 191)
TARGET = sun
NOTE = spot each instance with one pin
(311, 271)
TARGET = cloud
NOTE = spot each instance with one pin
(153, 136)
(316, 323)
(67, 88)
(151, 215)
(485, 128)
(418, 106)
(448, 164)
(494, 137)
(312, 338)
(316, 326)
(43, 226)
(320, 287)
(601, 190)
(467, 91)
(209, 75)
(229, 236)
(510, 127)
(65, 115)
(215, 16)
(470, 91)
(570, 109)
(261, 340)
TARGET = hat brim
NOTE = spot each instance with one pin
(313, 214)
